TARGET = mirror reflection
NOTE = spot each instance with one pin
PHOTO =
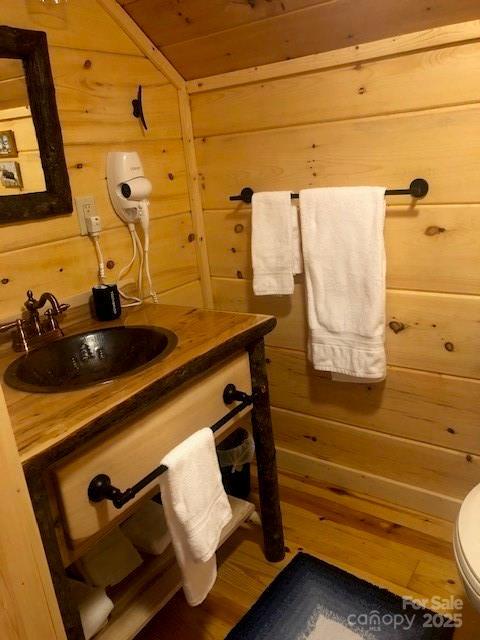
(20, 166)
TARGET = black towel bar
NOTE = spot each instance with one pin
(418, 189)
(101, 488)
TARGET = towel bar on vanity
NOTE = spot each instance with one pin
(101, 488)
(418, 189)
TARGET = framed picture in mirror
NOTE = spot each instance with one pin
(8, 147)
(11, 175)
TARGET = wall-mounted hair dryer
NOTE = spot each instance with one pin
(128, 187)
(129, 190)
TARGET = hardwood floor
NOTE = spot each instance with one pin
(401, 550)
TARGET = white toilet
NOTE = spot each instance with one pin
(466, 545)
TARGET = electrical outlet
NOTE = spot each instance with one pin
(86, 208)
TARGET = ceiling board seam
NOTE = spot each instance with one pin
(406, 44)
(244, 25)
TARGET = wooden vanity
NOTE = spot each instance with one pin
(124, 428)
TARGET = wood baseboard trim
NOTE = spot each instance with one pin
(391, 491)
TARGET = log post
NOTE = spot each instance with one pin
(41, 505)
(266, 458)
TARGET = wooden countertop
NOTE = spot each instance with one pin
(48, 426)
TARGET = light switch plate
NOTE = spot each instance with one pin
(86, 208)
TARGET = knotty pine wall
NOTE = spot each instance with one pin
(414, 439)
(97, 70)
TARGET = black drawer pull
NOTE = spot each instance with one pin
(101, 488)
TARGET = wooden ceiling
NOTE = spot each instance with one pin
(206, 37)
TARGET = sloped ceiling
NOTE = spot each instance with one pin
(206, 37)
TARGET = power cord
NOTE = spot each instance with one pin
(134, 301)
(94, 226)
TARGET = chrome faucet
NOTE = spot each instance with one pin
(34, 331)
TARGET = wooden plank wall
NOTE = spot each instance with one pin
(97, 69)
(413, 439)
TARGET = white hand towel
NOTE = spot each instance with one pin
(344, 261)
(272, 243)
(93, 605)
(196, 509)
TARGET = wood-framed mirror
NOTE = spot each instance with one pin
(34, 180)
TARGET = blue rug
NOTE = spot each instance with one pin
(313, 600)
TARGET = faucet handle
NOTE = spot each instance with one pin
(19, 339)
(52, 311)
(10, 325)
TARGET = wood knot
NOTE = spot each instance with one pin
(110, 264)
(238, 228)
(87, 64)
(451, 430)
(79, 165)
(396, 327)
(171, 176)
(191, 237)
(434, 230)
(362, 90)
(469, 458)
(338, 491)
(5, 280)
(239, 274)
(449, 346)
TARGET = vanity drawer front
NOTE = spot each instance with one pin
(138, 447)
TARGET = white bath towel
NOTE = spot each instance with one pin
(344, 262)
(94, 607)
(275, 243)
(196, 509)
(147, 528)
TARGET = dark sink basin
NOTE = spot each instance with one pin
(75, 362)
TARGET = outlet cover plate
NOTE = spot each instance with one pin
(86, 208)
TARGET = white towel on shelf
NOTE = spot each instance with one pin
(275, 243)
(344, 261)
(94, 607)
(110, 560)
(196, 509)
(147, 528)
